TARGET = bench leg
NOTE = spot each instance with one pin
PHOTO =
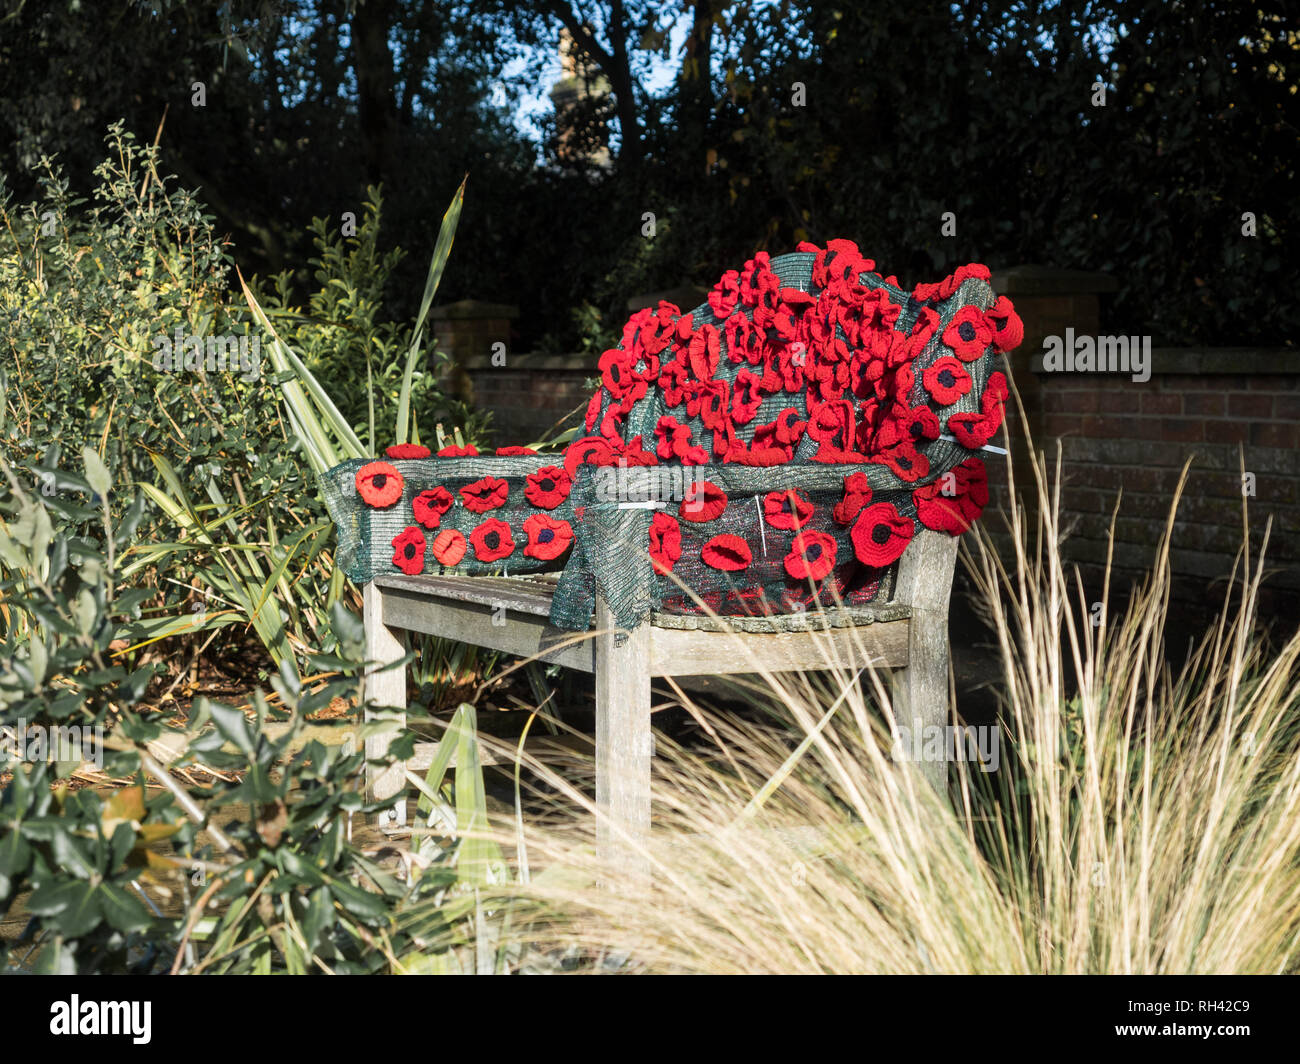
(919, 693)
(384, 687)
(624, 745)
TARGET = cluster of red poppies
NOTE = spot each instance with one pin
(381, 485)
(847, 374)
(848, 371)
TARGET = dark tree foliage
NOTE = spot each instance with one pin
(781, 121)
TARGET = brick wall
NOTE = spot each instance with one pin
(531, 393)
(1214, 406)
(1225, 410)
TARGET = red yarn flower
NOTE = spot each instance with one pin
(594, 404)
(968, 334)
(589, 449)
(547, 537)
(492, 540)
(857, 493)
(379, 484)
(703, 352)
(1008, 329)
(946, 380)
(724, 295)
(618, 371)
(931, 293)
(954, 501)
(665, 542)
(429, 506)
(468, 451)
(812, 556)
(508, 452)
(548, 487)
(483, 495)
(880, 535)
(407, 450)
(704, 501)
(727, 552)
(448, 547)
(408, 551)
(975, 430)
(787, 510)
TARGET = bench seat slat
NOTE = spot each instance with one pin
(532, 596)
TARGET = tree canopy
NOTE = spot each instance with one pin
(1155, 141)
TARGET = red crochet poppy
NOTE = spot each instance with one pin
(812, 556)
(407, 450)
(429, 506)
(408, 551)
(379, 484)
(702, 353)
(930, 293)
(589, 449)
(548, 487)
(648, 331)
(726, 552)
(468, 451)
(954, 501)
(448, 547)
(594, 405)
(904, 461)
(674, 441)
(703, 501)
(492, 540)
(483, 495)
(547, 537)
(975, 430)
(832, 424)
(972, 430)
(968, 334)
(665, 542)
(946, 380)
(857, 493)
(880, 535)
(746, 397)
(787, 510)
(1008, 329)
(618, 372)
(725, 294)
(507, 452)
(919, 424)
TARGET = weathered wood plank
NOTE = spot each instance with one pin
(919, 692)
(516, 594)
(384, 686)
(676, 652)
(490, 625)
(624, 744)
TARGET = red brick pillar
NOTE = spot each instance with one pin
(469, 331)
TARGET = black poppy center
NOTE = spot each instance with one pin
(946, 378)
(918, 430)
(813, 552)
(546, 535)
(966, 331)
(410, 550)
(547, 484)
(785, 506)
(379, 479)
(492, 540)
(880, 534)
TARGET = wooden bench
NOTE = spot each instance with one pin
(908, 635)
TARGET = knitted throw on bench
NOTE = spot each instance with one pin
(768, 452)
